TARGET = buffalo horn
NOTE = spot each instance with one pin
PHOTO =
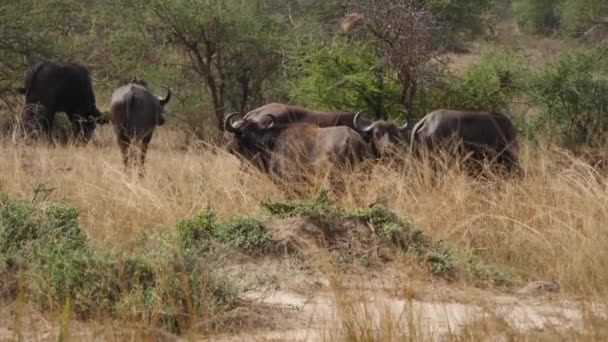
(358, 127)
(166, 99)
(408, 118)
(271, 122)
(228, 126)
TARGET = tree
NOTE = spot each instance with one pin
(342, 75)
(229, 44)
(406, 35)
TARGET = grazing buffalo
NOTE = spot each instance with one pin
(384, 137)
(287, 150)
(481, 134)
(60, 87)
(289, 114)
(135, 113)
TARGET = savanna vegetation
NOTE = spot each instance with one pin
(87, 250)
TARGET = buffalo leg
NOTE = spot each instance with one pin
(124, 143)
(142, 156)
(49, 125)
(76, 128)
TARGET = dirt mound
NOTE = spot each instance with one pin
(348, 237)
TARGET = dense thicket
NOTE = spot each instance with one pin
(233, 55)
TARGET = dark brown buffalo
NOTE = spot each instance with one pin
(384, 137)
(135, 113)
(285, 150)
(290, 114)
(484, 135)
(52, 87)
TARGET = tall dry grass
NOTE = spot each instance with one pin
(550, 224)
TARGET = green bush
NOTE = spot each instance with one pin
(572, 95)
(489, 84)
(43, 242)
(342, 75)
(576, 16)
(244, 233)
(537, 16)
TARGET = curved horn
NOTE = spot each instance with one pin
(359, 128)
(271, 123)
(408, 119)
(166, 99)
(228, 126)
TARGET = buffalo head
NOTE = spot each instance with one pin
(383, 136)
(252, 139)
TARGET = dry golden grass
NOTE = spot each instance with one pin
(550, 224)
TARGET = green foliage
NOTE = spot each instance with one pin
(242, 232)
(192, 231)
(43, 242)
(442, 259)
(572, 94)
(388, 225)
(342, 75)
(537, 16)
(462, 19)
(320, 206)
(489, 84)
(577, 16)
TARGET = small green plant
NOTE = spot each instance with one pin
(193, 230)
(320, 206)
(246, 233)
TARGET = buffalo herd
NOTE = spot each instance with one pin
(275, 137)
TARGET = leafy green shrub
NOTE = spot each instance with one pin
(489, 84)
(241, 232)
(320, 206)
(572, 95)
(47, 244)
(342, 75)
(391, 226)
(244, 233)
(171, 285)
(537, 16)
(577, 16)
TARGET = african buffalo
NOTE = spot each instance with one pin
(485, 135)
(384, 137)
(482, 134)
(286, 150)
(52, 87)
(135, 113)
(290, 114)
